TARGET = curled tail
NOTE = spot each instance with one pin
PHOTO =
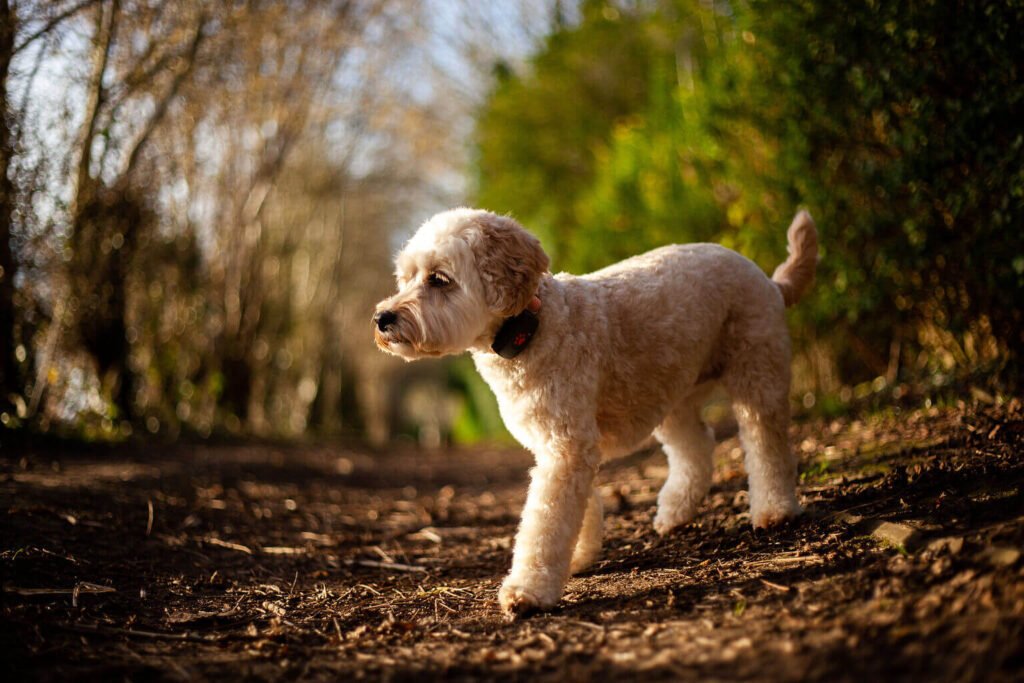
(795, 274)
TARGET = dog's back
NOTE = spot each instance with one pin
(665, 314)
(723, 267)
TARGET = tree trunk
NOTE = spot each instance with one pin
(9, 379)
(94, 101)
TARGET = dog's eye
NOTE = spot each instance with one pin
(438, 280)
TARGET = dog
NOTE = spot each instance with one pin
(589, 367)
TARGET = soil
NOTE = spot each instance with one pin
(336, 562)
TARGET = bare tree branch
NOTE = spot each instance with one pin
(105, 26)
(161, 109)
(52, 23)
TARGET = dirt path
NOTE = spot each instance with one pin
(203, 562)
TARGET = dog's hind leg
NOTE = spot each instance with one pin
(588, 545)
(758, 382)
(688, 443)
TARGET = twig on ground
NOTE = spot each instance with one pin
(151, 635)
(786, 560)
(227, 544)
(776, 586)
(282, 550)
(81, 588)
(386, 565)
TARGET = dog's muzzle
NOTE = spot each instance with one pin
(384, 319)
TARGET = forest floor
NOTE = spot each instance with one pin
(267, 562)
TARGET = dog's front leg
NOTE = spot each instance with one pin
(560, 488)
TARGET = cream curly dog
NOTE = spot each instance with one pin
(589, 367)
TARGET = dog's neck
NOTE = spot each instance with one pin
(515, 333)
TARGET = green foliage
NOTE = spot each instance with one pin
(898, 124)
(815, 472)
(913, 115)
(478, 416)
(539, 133)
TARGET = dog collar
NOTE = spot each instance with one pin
(515, 334)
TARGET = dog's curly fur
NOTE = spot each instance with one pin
(619, 354)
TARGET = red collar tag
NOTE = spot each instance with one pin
(515, 334)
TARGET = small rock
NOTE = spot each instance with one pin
(899, 535)
(1000, 556)
(427, 533)
(849, 518)
(951, 544)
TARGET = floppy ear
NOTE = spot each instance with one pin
(510, 261)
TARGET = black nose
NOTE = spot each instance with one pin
(384, 318)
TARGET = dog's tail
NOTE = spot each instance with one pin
(796, 273)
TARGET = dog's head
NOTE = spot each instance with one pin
(459, 277)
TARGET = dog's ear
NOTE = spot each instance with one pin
(510, 261)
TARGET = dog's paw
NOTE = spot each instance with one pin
(664, 524)
(673, 512)
(767, 518)
(582, 560)
(518, 601)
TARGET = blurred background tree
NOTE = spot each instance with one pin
(202, 201)
(199, 201)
